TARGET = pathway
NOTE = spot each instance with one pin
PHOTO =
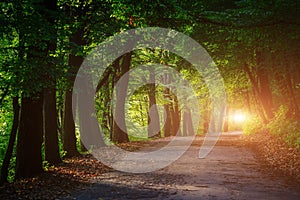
(230, 171)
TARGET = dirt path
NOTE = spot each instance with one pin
(231, 171)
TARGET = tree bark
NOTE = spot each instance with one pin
(226, 124)
(120, 133)
(294, 106)
(30, 139)
(69, 137)
(265, 92)
(11, 142)
(257, 95)
(205, 121)
(188, 128)
(153, 121)
(50, 110)
(167, 111)
(50, 127)
(171, 113)
(90, 135)
(176, 117)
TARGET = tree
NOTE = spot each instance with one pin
(30, 138)
(75, 61)
(49, 94)
(188, 128)
(153, 121)
(119, 128)
(12, 138)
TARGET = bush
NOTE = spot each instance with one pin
(287, 129)
(293, 139)
(253, 125)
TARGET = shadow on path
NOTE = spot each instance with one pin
(230, 171)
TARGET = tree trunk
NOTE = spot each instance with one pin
(153, 116)
(120, 133)
(176, 117)
(171, 110)
(50, 127)
(107, 105)
(226, 124)
(90, 135)
(265, 92)
(293, 101)
(205, 121)
(167, 126)
(69, 137)
(257, 95)
(50, 110)
(30, 139)
(188, 128)
(11, 142)
(167, 111)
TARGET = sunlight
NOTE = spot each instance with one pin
(239, 117)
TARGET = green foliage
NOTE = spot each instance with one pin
(253, 125)
(286, 128)
(11, 168)
(279, 125)
(6, 116)
(5, 125)
(293, 139)
(46, 165)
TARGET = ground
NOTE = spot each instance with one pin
(235, 169)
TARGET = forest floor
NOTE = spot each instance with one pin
(239, 167)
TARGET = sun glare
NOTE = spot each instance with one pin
(239, 117)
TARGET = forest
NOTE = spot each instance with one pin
(254, 45)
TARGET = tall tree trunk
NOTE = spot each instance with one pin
(226, 124)
(188, 128)
(291, 94)
(205, 121)
(69, 137)
(50, 111)
(120, 134)
(50, 127)
(171, 110)
(90, 135)
(153, 116)
(11, 142)
(30, 139)
(265, 92)
(111, 116)
(176, 117)
(16, 118)
(107, 105)
(257, 94)
(259, 107)
(167, 111)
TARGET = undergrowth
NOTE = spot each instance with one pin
(288, 129)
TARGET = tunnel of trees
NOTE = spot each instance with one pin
(255, 45)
